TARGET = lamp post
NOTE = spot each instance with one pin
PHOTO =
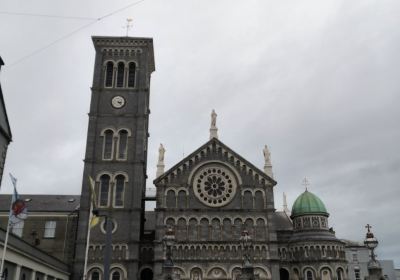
(247, 267)
(108, 245)
(168, 242)
(374, 267)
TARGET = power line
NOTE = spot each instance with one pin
(44, 15)
(51, 44)
(94, 20)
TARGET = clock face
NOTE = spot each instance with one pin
(118, 102)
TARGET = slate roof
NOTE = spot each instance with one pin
(282, 221)
(43, 203)
(28, 250)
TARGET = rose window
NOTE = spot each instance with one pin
(214, 185)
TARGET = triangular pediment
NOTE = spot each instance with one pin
(215, 146)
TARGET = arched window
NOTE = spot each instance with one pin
(204, 229)
(326, 274)
(181, 231)
(309, 275)
(247, 200)
(260, 229)
(227, 229)
(215, 229)
(249, 226)
(146, 274)
(192, 230)
(122, 144)
(171, 200)
(104, 190)
(181, 199)
(116, 275)
(95, 275)
(132, 74)
(284, 274)
(109, 74)
(339, 274)
(120, 74)
(119, 190)
(108, 144)
(259, 200)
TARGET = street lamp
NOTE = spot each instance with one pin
(245, 242)
(247, 268)
(108, 244)
(168, 241)
(371, 243)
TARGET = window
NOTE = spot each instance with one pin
(120, 74)
(132, 74)
(122, 144)
(339, 274)
(116, 275)
(355, 257)
(104, 190)
(95, 275)
(309, 275)
(50, 229)
(18, 228)
(119, 190)
(5, 274)
(109, 74)
(326, 274)
(108, 144)
(357, 274)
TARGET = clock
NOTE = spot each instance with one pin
(118, 102)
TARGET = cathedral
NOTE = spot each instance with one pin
(207, 202)
(214, 216)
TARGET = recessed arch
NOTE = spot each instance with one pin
(108, 73)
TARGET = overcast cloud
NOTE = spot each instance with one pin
(318, 81)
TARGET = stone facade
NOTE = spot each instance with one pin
(116, 152)
(206, 203)
(209, 198)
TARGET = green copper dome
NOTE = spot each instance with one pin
(308, 203)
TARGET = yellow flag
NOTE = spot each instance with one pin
(92, 192)
(94, 220)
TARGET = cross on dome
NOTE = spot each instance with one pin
(305, 183)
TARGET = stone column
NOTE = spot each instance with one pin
(17, 272)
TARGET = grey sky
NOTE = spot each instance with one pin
(317, 81)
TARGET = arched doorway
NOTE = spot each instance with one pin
(146, 274)
(283, 274)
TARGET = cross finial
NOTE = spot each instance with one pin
(305, 183)
(128, 25)
(368, 227)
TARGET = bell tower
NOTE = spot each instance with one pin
(116, 155)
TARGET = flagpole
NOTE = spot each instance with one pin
(87, 243)
(6, 241)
